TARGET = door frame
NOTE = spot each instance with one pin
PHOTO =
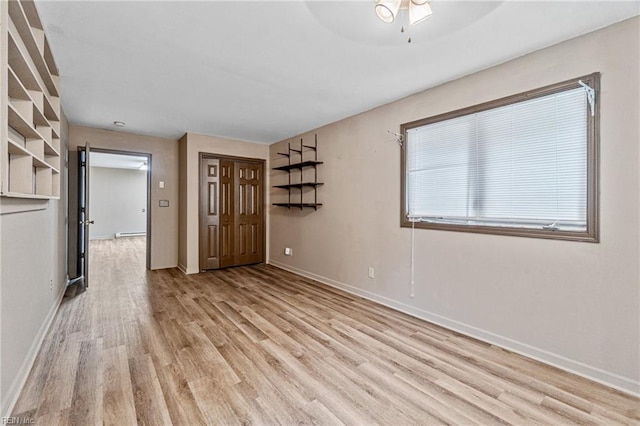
(149, 159)
(214, 156)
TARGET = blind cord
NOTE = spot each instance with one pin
(413, 252)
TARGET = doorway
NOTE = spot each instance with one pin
(232, 217)
(113, 201)
(118, 195)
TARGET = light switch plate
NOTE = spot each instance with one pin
(164, 203)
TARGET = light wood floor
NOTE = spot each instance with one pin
(257, 345)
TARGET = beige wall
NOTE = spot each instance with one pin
(191, 145)
(32, 280)
(164, 167)
(575, 305)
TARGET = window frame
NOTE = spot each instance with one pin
(592, 232)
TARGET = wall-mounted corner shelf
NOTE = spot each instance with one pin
(301, 184)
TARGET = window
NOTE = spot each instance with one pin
(523, 165)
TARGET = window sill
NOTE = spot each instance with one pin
(589, 236)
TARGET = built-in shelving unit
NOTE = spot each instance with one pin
(296, 199)
(29, 105)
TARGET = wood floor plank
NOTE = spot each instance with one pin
(321, 415)
(87, 395)
(258, 345)
(365, 393)
(213, 402)
(346, 412)
(148, 398)
(118, 405)
(270, 389)
(178, 397)
(457, 405)
(201, 359)
(58, 389)
(272, 367)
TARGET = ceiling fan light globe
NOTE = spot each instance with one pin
(418, 13)
(387, 10)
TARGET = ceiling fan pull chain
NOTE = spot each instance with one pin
(402, 30)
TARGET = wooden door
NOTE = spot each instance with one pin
(249, 218)
(209, 213)
(231, 212)
(227, 214)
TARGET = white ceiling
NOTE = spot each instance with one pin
(263, 71)
(117, 161)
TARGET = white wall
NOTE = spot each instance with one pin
(118, 201)
(575, 305)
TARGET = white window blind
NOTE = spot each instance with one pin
(520, 165)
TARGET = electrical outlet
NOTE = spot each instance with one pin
(372, 272)
(288, 251)
(51, 285)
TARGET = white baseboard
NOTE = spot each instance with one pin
(168, 266)
(129, 234)
(621, 383)
(11, 397)
(186, 270)
(102, 237)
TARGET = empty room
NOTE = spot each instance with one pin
(368, 212)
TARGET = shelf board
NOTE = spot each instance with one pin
(21, 125)
(49, 149)
(16, 89)
(22, 70)
(41, 164)
(49, 110)
(285, 154)
(31, 12)
(300, 185)
(298, 165)
(20, 66)
(19, 18)
(300, 205)
(39, 118)
(17, 149)
(28, 195)
(310, 147)
(48, 58)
